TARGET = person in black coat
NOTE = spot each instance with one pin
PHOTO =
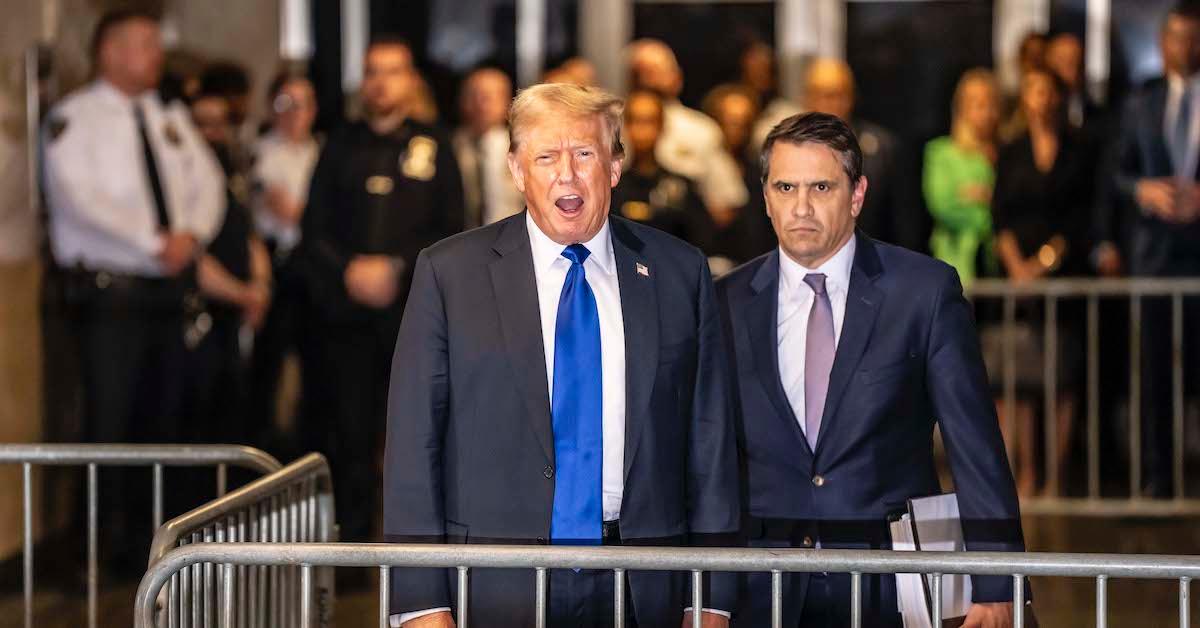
(1040, 209)
(1150, 221)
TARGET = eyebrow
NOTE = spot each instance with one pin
(806, 183)
(538, 150)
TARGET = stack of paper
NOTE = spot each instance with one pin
(931, 524)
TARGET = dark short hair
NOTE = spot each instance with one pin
(111, 20)
(388, 39)
(226, 78)
(817, 128)
(280, 81)
(1186, 9)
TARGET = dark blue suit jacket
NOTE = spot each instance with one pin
(908, 357)
(470, 453)
(1153, 247)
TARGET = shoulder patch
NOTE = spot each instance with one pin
(55, 127)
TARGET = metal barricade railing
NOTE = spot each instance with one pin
(697, 561)
(292, 505)
(94, 456)
(1051, 292)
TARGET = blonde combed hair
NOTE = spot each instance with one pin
(569, 100)
(959, 130)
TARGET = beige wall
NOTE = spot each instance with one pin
(20, 353)
(243, 31)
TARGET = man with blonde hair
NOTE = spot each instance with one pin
(559, 378)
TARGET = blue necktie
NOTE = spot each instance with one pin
(575, 410)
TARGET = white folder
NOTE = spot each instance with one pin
(931, 524)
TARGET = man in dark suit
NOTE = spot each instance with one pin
(559, 378)
(847, 353)
(1155, 201)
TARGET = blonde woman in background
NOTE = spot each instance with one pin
(959, 174)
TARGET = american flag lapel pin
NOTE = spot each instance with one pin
(643, 270)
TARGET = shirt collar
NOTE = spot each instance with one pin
(836, 269)
(546, 251)
(1177, 83)
(111, 92)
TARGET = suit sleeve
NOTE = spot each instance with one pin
(714, 505)
(322, 252)
(962, 404)
(1121, 171)
(206, 200)
(418, 400)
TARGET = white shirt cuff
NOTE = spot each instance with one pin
(714, 611)
(397, 620)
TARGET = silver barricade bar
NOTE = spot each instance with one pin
(619, 560)
(292, 505)
(92, 456)
(1137, 290)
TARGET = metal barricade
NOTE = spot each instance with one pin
(620, 560)
(1051, 292)
(292, 505)
(94, 456)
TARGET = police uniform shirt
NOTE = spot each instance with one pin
(666, 201)
(102, 209)
(692, 145)
(289, 165)
(391, 194)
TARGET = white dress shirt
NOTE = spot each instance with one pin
(1175, 88)
(287, 165)
(102, 213)
(692, 145)
(795, 304)
(550, 273)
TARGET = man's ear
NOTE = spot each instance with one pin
(514, 168)
(858, 197)
(614, 176)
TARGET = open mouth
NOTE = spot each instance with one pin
(569, 204)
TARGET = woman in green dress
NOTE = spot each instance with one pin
(959, 174)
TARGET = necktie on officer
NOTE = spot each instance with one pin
(576, 410)
(156, 188)
(1182, 131)
(819, 349)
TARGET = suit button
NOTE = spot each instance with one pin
(819, 481)
(807, 542)
(541, 540)
(548, 472)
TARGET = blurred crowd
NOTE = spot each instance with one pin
(201, 255)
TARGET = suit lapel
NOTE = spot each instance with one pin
(515, 288)
(639, 312)
(1157, 122)
(863, 301)
(762, 321)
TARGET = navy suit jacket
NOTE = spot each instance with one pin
(470, 452)
(908, 357)
(1153, 246)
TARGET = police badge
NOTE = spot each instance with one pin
(172, 134)
(418, 160)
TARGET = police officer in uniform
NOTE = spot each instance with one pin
(134, 195)
(650, 193)
(383, 189)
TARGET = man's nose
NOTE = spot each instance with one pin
(566, 169)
